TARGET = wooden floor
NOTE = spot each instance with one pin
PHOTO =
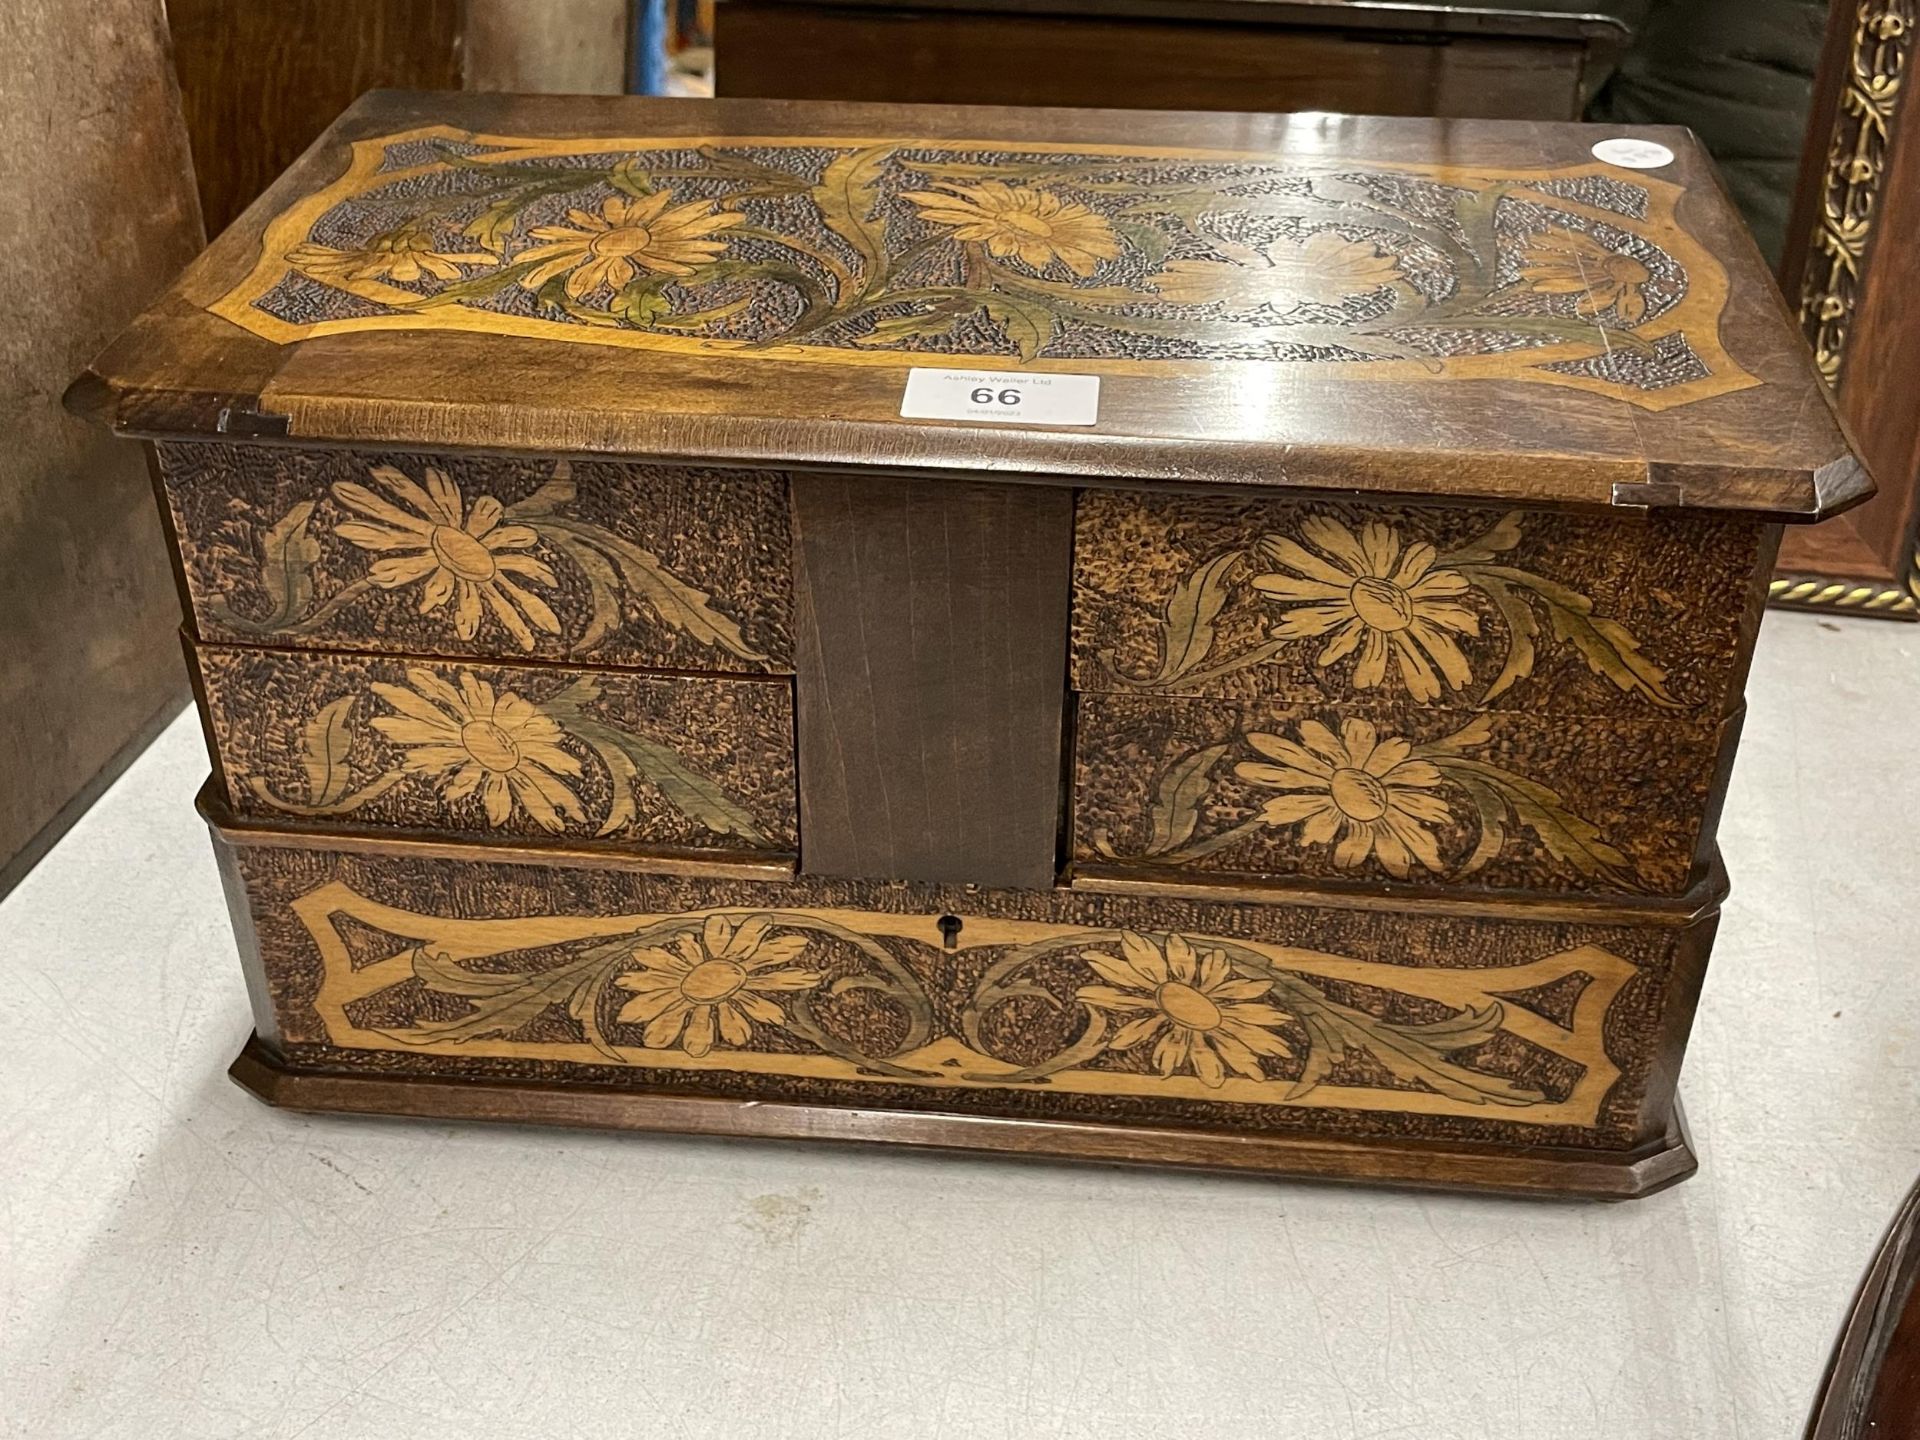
(178, 1260)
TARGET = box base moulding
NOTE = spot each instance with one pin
(1570, 1172)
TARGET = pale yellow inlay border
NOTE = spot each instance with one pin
(1584, 1043)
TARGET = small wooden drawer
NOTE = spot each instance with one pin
(615, 564)
(1311, 601)
(1261, 789)
(635, 761)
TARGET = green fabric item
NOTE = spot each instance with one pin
(1739, 73)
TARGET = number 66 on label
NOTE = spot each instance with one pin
(1001, 396)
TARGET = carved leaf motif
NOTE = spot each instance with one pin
(613, 566)
(629, 177)
(1609, 648)
(491, 227)
(631, 759)
(499, 1008)
(1523, 628)
(1500, 537)
(1568, 838)
(1187, 623)
(328, 737)
(1148, 240)
(1410, 1052)
(674, 602)
(848, 196)
(555, 494)
(1029, 324)
(439, 972)
(916, 324)
(1476, 210)
(642, 302)
(288, 554)
(1176, 809)
(326, 740)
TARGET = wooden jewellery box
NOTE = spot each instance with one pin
(1269, 709)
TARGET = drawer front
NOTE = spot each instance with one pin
(1311, 601)
(1260, 789)
(467, 555)
(1495, 1027)
(639, 762)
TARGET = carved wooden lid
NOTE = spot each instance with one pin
(1453, 308)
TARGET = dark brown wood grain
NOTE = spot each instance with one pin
(100, 216)
(992, 56)
(1482, 1169)
(1563, 20)
(260, 82)
(1771, 448)
(931, 666)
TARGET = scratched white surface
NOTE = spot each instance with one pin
(177, 1260)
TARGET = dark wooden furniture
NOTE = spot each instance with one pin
(1853, 265)
(260, 82)
(101, 216)
(1872, 1386)
(621, 716)
(1504, 61)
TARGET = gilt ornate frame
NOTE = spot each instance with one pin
(1859, 183)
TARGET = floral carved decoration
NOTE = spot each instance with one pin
(476, 563)
(1387, 613)
(491, 754)
(1109, 256)
(1368, 803)
(857, 996)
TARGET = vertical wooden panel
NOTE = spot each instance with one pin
(930, 644)
(99, 213)
(260, 82)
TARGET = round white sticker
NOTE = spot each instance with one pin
(1633, 154)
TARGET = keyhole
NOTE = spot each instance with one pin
(950, 930)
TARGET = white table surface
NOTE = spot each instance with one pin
(178, 1260)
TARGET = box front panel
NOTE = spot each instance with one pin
(638, 761)
(1441, 607)
(453, 555)
(1271, 1019)
(1502, 800)
(1445, 696)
